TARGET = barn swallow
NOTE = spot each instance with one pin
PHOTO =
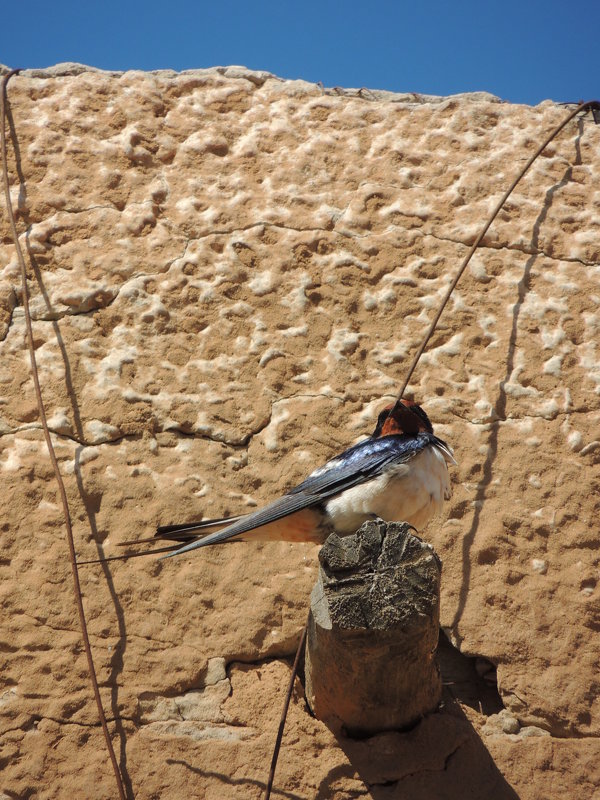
(399, 473)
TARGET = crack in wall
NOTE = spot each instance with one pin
(100, 640)
(53, 316)
(235, 444)
(425, 771)
(529, 251)
(244, 442)
(391, 229)
(35, 719)
(487, 423)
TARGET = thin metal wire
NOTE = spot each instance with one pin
(51, 453)
(590, 104)
(286, 705)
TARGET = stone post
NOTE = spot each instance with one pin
(373, 630)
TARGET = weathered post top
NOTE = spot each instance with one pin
(373, 630)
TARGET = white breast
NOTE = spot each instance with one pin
(412, 492)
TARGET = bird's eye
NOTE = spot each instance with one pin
(383, 415)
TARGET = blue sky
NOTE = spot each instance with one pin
(523, 51)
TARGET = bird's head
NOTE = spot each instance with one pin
(404, 416)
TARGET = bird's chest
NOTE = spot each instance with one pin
(412, 492)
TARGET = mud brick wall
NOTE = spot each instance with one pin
(229, 275)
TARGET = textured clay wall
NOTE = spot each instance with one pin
(229, 275)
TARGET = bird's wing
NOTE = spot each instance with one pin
(356, 465)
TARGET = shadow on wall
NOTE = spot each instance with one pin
(442, 758)
(500, 404)
(226, 780)
(90, 503)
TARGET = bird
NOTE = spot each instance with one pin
(399, 473)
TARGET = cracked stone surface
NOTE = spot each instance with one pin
(229, 274)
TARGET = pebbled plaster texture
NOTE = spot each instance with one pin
(229, 275)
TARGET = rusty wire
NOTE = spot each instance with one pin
(589, 104)
(50, 446)
(286, 705)
(584, 106)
